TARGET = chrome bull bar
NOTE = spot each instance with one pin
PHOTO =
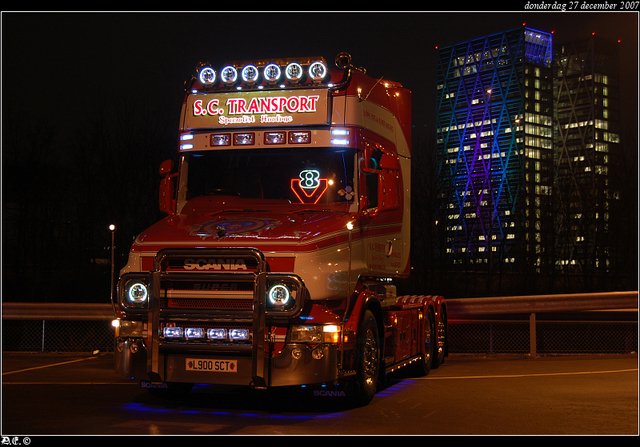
(258, 317)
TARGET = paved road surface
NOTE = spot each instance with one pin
(468, 395)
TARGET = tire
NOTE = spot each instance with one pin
(368, 367)
(441, 341)
(426, 363)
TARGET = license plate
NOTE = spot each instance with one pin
(211, 365)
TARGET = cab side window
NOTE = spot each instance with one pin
(372, 177)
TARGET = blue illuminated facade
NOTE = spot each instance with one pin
(495, 152)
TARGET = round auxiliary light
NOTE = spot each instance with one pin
(272, 73)
(229, 75)
(207, 76)
(317, 71)
(250, 74)
(138, 293)
(279, 295)
(293, 72)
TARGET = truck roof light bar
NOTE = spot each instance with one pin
(250, 74)
(317, 71)
(294, 72)
(312, 71)
(206, 74)
(229, 75)
(272, 74)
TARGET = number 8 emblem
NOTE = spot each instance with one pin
(309, 188)
(309, 179)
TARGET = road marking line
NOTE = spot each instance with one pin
(46, 366)
(70, 383)
(528, 375)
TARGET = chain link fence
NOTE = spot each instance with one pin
(552, 337)
(57, 336)
(465, 337)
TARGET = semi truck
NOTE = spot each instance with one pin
(287, 229)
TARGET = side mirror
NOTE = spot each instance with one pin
(166, 195)
(166, 167)
(389, 162)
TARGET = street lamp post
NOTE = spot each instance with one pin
(112, 229)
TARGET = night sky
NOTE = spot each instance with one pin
(70, 71)
(61, 66)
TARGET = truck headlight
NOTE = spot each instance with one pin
(134, 292)
(138, 293)
(284, 295)
(279, 295)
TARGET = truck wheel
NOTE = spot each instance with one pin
(368, 368)
(441, 345)
(424, 366)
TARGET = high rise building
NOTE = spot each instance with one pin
(495, 152)
(587, 134)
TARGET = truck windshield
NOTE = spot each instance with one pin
(310, 176)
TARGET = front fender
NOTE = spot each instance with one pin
(365, 300)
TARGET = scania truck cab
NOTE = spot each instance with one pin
(288, 223)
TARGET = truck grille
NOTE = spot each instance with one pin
(224, 292)
(224, 304)
(215, 300)
(209, 280)
(202, 290)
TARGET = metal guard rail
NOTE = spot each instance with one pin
(57, 311)
(458, 309)
(466, 307)
(462, 309)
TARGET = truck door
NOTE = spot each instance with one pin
(381, 208)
